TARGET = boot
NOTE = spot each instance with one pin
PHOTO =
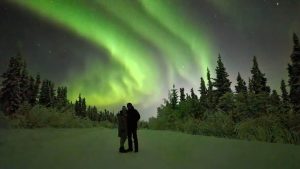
(136, 146)
(122, 150)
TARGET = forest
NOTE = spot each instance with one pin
(29, 102)
(251, 112)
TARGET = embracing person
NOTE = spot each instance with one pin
(127, 128)
(122, 128)
(133, 117)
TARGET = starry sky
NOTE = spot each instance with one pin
(119, 51)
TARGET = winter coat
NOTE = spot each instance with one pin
(122, 124)
(133, 117)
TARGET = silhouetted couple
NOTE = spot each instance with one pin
(127, 128)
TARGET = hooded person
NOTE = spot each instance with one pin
(133, 117)
(122, 128)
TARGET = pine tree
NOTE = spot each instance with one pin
(10, 95)
(250, 86)
(174, 97)
(241, 85)
(274, 103)
(274, 98)
(258, 82)
(203, 91)
(52, 94)
(61, 98)
(182, 95)
(35, 88)
(210, 84)
(47, 93)
(44, 95)
(30, 93)
(89, 112)
(24, 82)
(284, 93)
(194, 104)
(77, 106)
(210, 93)
(83, 108)
(294, 75)
(193, 95)
(94, 113)
(80, 107)
(221, 82)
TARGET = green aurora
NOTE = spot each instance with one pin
(119, 26)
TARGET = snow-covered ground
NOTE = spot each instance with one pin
(97, 148)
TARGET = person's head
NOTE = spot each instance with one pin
(130, 106)
(124, 108)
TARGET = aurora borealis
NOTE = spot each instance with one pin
(119, 51)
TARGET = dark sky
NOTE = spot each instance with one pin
(113, 52)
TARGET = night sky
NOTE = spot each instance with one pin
(119, 51)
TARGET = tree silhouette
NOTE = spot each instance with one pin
(241, 85)
(284, 93)
(24, 82)
(80, 107)
(221, 82)
(294, 75)
(47, 93)
(182, 95)
(10, 96)
(174, 97)
(258, 82)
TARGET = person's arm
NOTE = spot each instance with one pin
(137, 116)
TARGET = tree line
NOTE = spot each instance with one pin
(252, 112)
(19, 89)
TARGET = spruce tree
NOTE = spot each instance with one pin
(80, 107)
(194, 104)
(274, 103)
(284, 93)
(30, 91)
(52, 93)
(250, 86)
(274, 98)
(83, 108)
(61, 97)
(47, 95)
(89, 112)
(174, 97)
(94, 113)
(24, 82)
(210, 93)
(182, 95)
(34, 89)
(258, 82)
(203, 91)
(10, 95)
(221, 82)
(193, 95)
(241, 85)
(210, 84)
(37, 86)
(44, 98)
(294, 75)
